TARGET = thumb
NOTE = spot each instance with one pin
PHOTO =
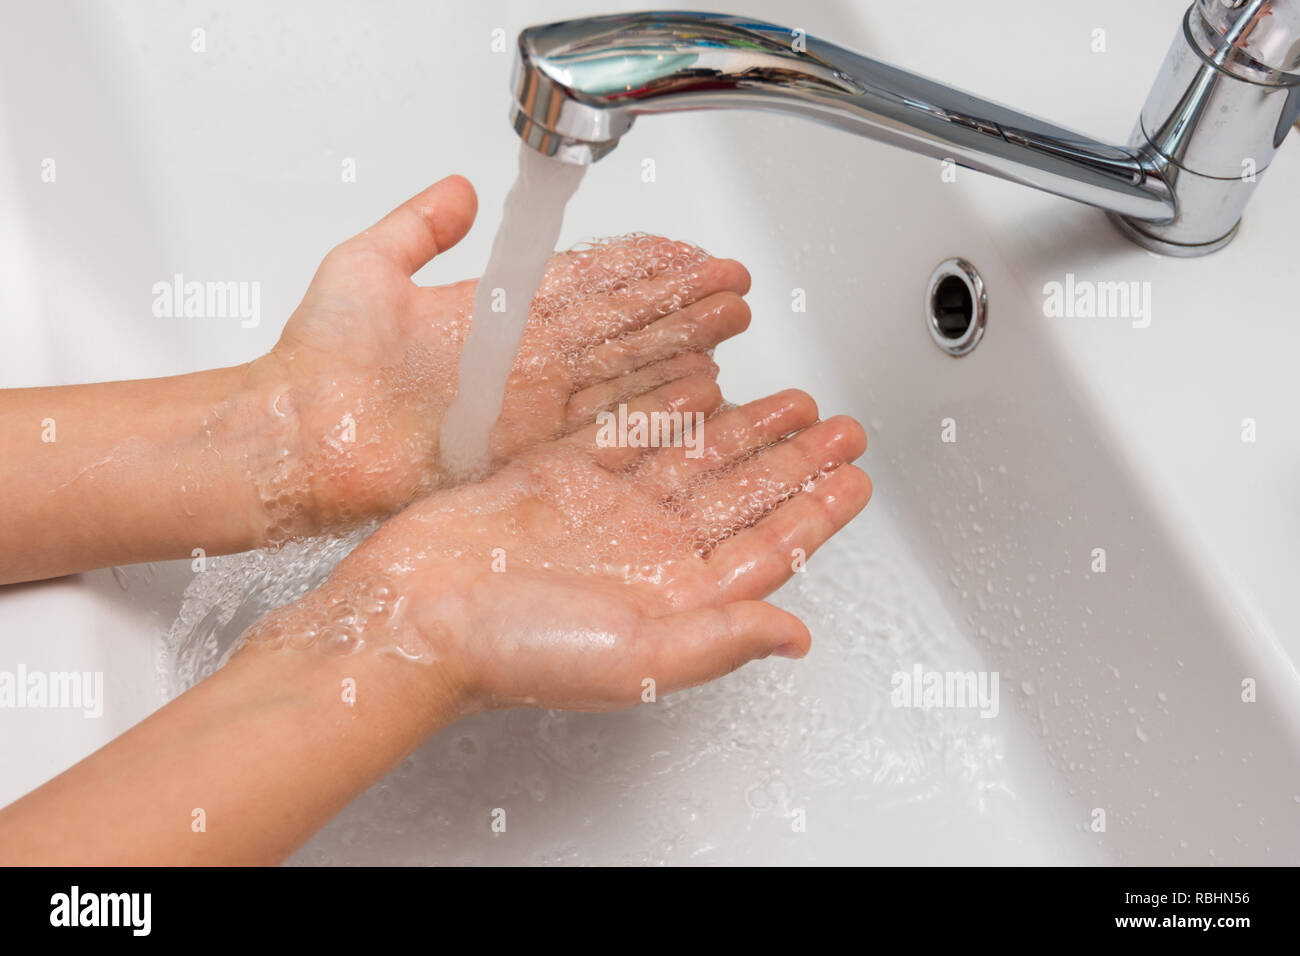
(425, 225)
(693, 647)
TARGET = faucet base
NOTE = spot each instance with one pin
(1164, 247)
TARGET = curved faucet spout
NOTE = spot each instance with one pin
(580, 84)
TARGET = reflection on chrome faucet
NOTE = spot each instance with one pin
(1224, 100)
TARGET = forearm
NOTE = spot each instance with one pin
(122, 472)
(242, 769)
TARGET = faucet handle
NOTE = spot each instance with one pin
(1255, 40)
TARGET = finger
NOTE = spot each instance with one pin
(632, 304)
(731, 434)
(693, 647)
(694, 393)
(701, 325)
(585, 404)
(758, 560)
(741, 495)
(425, 225)
(597, 268)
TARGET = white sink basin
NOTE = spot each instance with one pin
(1120, 691)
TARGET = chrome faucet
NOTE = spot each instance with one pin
(1226, 97)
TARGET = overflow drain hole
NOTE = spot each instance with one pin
(956, 306)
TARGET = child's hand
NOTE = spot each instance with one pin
(576, 573)
(367, 365)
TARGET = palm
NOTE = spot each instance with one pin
(360, 308)
(371, 357)
(581, 573)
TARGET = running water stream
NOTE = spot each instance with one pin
(530, 227)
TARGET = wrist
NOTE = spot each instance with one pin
(368, 610)
(358, 624)
(339, 450)
(239, 460)
(266, 422)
